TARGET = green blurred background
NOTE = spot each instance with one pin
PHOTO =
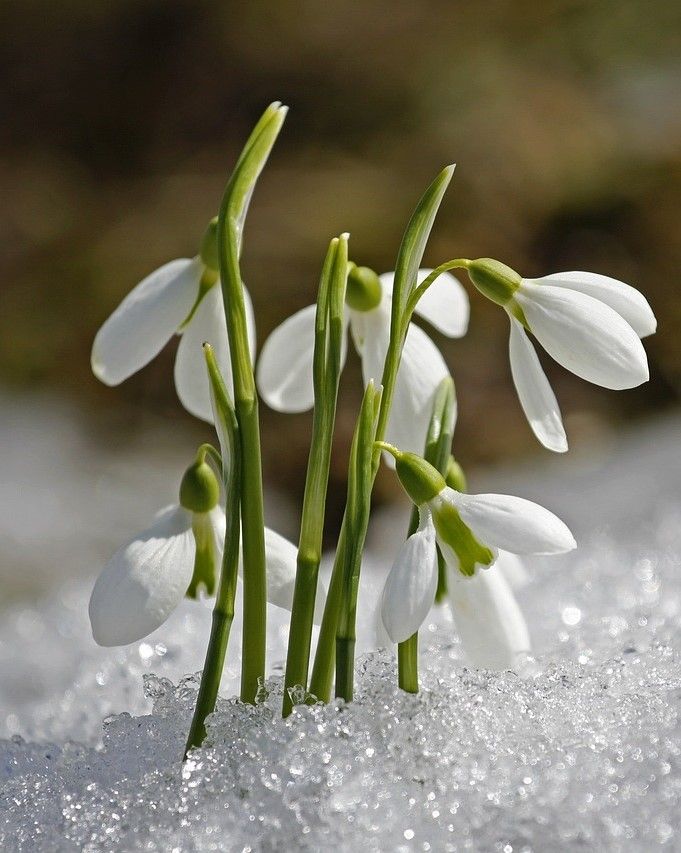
(122, 118)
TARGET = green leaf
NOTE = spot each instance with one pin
(250, 164)
(414, 243)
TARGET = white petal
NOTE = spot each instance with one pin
(144, 581)
(513, 569)
(421, 370)
(219, 527)
(584, 335)
(145, 320)
(284, 373)
(489, 622)
(623, 298)
(410, 587)
(281, 556)
(534, 392)
(208, 325)
(512, 524)
(445, 304)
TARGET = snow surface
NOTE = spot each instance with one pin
(579, 750)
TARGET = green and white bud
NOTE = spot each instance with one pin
(364, 289)
(494, 280)
(199, 489)
(420, 480)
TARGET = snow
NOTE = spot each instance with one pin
(578, 750)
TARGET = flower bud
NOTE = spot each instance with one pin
(364, 289)
(421, 481)
(199, 489)
(209, 245)
(494, 280)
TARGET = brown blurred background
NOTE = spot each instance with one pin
(122, 118)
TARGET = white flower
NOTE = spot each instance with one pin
(147, 579)
(182, 297)
(591, 325)
(468, 530)
(285, 367)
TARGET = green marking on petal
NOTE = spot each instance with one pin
(205, 561)
(459, 537)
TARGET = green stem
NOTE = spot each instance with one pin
(229, 235)
(408, 664)
(360, 482)
(325, 656)
(223, 611)
(345, 666)
(211, 676)
(327, 368)
(436, 451)
(458, 263)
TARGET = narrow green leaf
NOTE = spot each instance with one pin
(414, 243)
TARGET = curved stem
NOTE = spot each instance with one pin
(417, 293)
(223, 611)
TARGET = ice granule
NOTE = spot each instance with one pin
(580, 750)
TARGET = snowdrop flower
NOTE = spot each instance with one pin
(468, 529)
(284, 370)
(182, 297)
(179, 554)
(589, 323)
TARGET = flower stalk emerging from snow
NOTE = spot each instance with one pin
(457, 542)
(327, 364)
(468, 529)
(230, 226)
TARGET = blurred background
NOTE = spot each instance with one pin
(121, 121)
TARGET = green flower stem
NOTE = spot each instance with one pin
(406, 271)
(437, 451)
(408, 664)
(326, 371)
(229, 236)
(223, 611)
(360, 482)
(325, 656)
(417, 293)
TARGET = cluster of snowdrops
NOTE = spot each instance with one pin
(459, 548)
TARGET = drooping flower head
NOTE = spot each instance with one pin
(590, 324)
(182, 297)
(469, 530)
(178, 555)
(284, 371)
